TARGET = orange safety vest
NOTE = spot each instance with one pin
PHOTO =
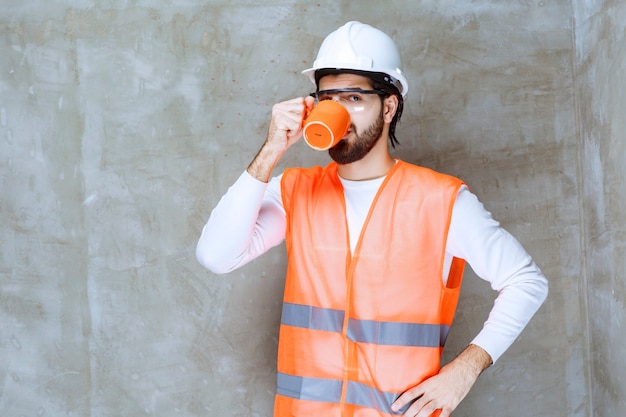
(359, 329)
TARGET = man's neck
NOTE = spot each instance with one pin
(375, 164)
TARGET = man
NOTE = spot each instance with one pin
(376, 249)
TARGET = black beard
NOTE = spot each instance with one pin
(346, 152)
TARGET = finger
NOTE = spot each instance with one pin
(419, 409)
(296, 105)
(290, 113)
(445, 413)
(289, 109)
(287, 123)
(295, 133)
(406, 398)
(309, 102)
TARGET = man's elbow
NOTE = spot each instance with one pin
(546, 291)
(211, 261)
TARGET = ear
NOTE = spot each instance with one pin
(390, 106)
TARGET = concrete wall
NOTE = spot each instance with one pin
(600, 108)
(122, 122)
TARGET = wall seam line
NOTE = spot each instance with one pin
(583, 284)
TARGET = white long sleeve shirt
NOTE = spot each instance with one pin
(250, 219)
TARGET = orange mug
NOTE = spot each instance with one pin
(325, 125)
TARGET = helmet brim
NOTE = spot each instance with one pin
(396, 80)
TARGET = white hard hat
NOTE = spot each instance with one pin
(360, 47)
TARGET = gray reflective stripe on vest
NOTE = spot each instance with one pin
(366, 396)
(365, 331)
(310, 389)
(314, 318)
(397, 334)
(329, 391)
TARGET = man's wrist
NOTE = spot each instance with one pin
(264, 162)
(476, 359)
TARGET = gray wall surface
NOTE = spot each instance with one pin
(600, 64)
(123, 122)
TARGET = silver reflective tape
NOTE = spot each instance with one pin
(314, 318)
(444, 334)
(309, 389)
(395, 334)
(365, 331)
(366, 396)
(329, 391)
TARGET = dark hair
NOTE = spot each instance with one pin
(380, 81)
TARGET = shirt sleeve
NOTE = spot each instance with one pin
(247, 221)
(497, 257)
